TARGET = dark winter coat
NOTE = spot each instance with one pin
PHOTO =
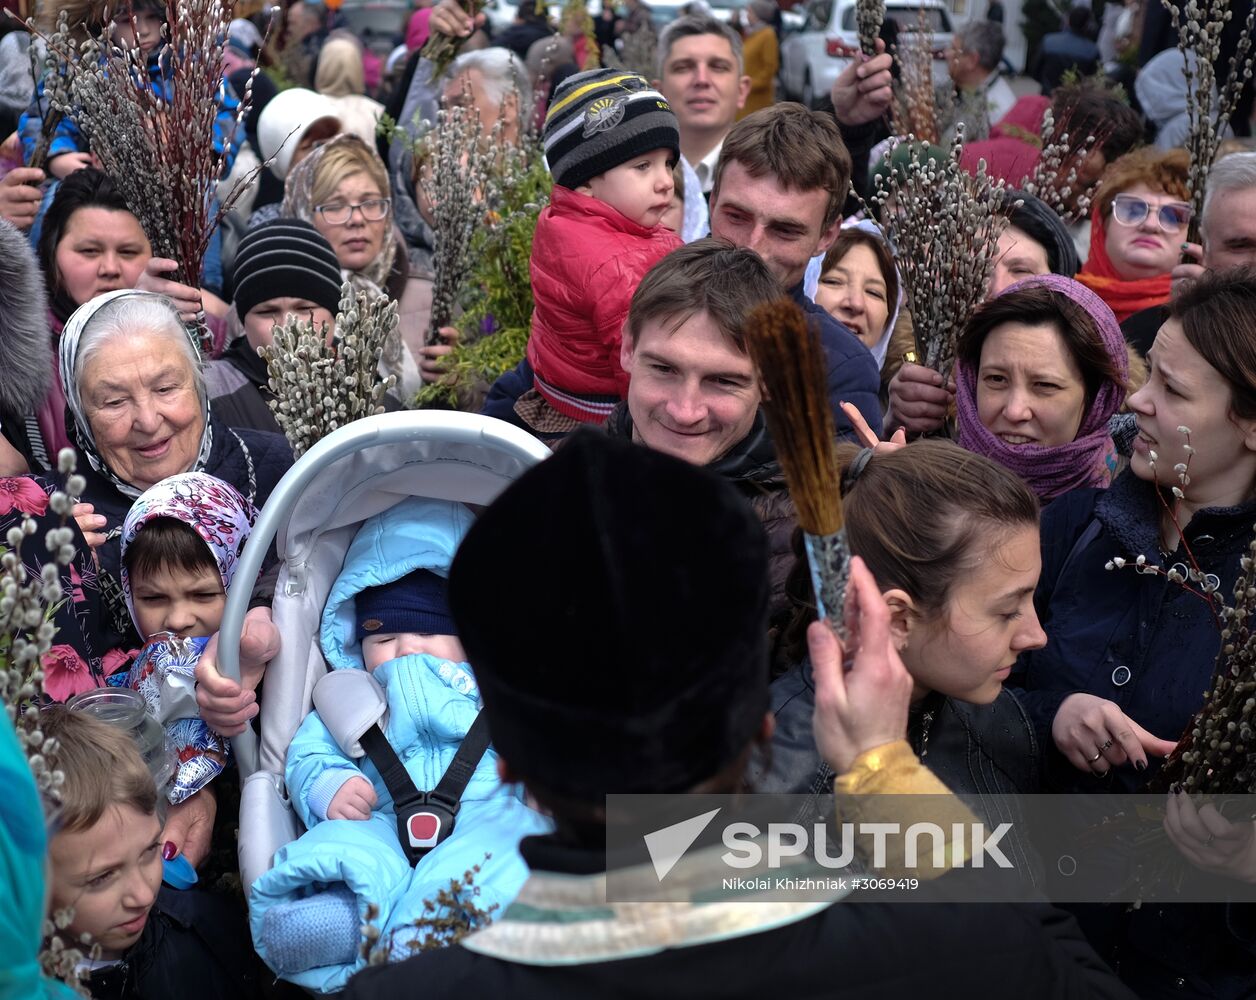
(1132, 638)
(858, 951)
(751, 467)
(1149, 646)
(1141, 328)
(195, 946)
(238, 388)
(26, 361)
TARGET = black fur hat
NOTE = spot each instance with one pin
(613, 604)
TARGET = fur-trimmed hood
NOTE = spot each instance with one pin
(25, 346)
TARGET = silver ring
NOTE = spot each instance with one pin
(1091, 760)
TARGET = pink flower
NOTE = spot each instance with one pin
(115, 660)
(22, 494)
(65, 673)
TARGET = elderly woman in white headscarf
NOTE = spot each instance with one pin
(133, 385)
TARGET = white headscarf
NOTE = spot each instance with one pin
(68, 361)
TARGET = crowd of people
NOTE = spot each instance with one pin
(1101, 412)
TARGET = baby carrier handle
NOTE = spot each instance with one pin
(424, 819)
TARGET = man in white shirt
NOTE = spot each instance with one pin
(702, 75)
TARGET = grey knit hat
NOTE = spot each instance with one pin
(286, 258)
(602, 118)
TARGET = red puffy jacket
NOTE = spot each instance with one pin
(587, 260)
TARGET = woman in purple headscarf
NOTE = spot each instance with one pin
(1039, 372)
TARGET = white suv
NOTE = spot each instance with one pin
(814, 57)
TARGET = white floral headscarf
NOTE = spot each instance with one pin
(68, 361)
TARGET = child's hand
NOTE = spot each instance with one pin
(355, 800)
(225, 705)
(65, 164)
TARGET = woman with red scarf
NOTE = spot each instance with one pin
(1138, 225)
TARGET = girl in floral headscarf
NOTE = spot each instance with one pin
(180, 544)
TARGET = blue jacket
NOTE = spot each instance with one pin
(68, 138)
(1149, 646)
(431, 705)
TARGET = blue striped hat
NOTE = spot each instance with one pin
(602, 118)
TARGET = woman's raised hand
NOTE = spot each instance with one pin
(1096, 736)
(187, 300)
(867, 436)
(90, 523)
(1209, 841)
(919, 400)
(866, 706)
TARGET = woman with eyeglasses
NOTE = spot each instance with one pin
(1138, 225)
(342, 189)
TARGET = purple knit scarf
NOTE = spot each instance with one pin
(1090, 458)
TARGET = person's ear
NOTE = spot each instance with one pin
(626, 350)
(743, 91)
(1248, 427)
(504, 772)
(585, 190)
(903, 617)
(829, 235)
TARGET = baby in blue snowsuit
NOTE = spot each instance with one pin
(388, 614)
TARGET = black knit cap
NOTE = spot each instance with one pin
(613, 604)
(286, 258)
(418, 602)
(602, 118)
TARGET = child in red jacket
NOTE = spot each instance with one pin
(611, 142)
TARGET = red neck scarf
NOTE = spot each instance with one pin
(1124, 297)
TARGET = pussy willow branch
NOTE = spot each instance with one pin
(459, 177)
(944, 225)
(157, 142)
(1208, 105)
(319, 387)
(869, 16)
(1055, 179)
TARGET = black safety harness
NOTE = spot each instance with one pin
(424, 819)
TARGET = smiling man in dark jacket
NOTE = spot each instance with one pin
(693, 392)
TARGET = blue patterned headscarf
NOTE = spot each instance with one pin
(23, 858)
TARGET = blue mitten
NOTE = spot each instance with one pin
(323, 929)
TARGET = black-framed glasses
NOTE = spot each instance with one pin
(339, 215)
(1131, 210)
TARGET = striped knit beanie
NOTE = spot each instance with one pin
(286, 258)
(602, 118)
